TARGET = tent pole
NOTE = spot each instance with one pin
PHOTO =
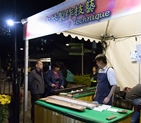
(107, 27)
(82, 54)
(26, 82)
(139, 74)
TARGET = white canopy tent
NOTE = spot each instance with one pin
(127, 26)
(113, 19)
(116, 18)
(124, 30)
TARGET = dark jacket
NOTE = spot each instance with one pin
(50, 79)
(36, 82)
(134, 93)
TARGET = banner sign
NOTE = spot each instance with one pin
(76, 13)
(138, 46)
(133, 56)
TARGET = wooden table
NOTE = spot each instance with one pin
(87, 95)
(74, 87)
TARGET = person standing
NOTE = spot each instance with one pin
(36, 85)
(54, 79)
(93, 76)
(106, 81)
(134, 97)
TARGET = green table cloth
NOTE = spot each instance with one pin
(88, 116)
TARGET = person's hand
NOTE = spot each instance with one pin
(53, 85)
(62, 87)
(106, 100)
(94, 97)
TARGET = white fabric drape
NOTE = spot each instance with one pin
(118, 54)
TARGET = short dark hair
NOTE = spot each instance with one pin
(101, 57)
(56, 65)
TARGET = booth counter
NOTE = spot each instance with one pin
(86, 94)
(49, 113)
(69, 88)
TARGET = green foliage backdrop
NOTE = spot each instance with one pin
(83, 80)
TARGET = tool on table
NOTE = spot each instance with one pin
(110, 118)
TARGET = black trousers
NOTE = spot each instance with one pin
(34, 97)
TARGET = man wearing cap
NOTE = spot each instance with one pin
(106, 81)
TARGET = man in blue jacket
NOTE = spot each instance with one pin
(36, 85)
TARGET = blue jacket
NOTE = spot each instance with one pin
(50, 79)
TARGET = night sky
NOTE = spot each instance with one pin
(24, 9)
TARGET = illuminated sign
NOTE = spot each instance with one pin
(79, 14)
(76, 13)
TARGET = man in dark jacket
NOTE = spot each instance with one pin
(134, 96)
(36, 85)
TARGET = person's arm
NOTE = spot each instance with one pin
(61, 80)
(48, 79)
(112, 81)
(106, 100)
(95, 93)
(113, 88)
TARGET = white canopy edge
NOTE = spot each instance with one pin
(80, 37)
(42, 59)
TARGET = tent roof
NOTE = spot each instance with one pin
(126, 26)
(106, 17)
